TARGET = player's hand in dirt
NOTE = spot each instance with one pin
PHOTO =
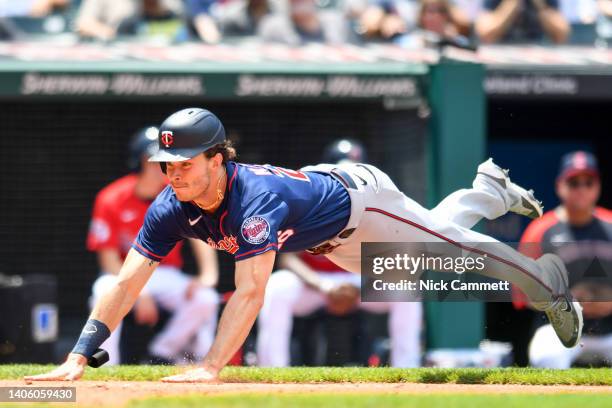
(342, 299)
(146, 311)
(196, 375)
(71, 370)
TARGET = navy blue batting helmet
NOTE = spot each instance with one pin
(142, 144)
(187, 133)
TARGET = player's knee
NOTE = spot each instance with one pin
(283, 285)
(283, 279)
(102, 284)
(205, 299)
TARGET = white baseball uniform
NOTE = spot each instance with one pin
(287, 296)
(380, 212)
(546, 351)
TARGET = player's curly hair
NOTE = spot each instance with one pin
(226, 149)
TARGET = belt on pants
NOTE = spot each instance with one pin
(328, 246)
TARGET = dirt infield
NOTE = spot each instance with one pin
(119, 393)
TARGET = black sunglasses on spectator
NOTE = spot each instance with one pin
(576, 183)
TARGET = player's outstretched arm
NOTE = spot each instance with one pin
(104, 318)
(237, 319)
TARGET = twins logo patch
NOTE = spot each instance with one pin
(255, 230)
(167, 138)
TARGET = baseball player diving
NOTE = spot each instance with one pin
(255, 211)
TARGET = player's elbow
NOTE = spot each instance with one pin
(127, 288)
(253, 294)
(257, 302)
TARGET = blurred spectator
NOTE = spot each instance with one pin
(241, 17)
(579, 11)
(581, 234)
(25, 8)
(200, 22)
(31, 8)
(521, 21)
(305, 23)
(604, 21)
(435, 17)
(581, 15)
(352, 8)
(388, 19)
(106, 19)
(471, 8)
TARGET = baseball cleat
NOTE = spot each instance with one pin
(522, 201)
(564, 314)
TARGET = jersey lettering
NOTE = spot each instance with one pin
(284, 236)
(227, 244)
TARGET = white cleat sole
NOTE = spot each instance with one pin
(528, 205)
(523, 201)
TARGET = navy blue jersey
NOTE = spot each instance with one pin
(265, 208)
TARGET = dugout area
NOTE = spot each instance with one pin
(529, 136)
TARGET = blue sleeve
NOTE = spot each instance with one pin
(259, 224)
(553, 4)
(387, 5)
(159, 233)
(490, 5)
(195, 7)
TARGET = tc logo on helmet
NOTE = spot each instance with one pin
(167, 138)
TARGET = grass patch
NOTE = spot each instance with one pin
(377, 401)
(119, 373)
(578, 376)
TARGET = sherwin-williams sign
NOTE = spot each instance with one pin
(214, 85)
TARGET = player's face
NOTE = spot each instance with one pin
(579, 193)
(190, 179)
(434, 17)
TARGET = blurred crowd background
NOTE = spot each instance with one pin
(409, 23)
